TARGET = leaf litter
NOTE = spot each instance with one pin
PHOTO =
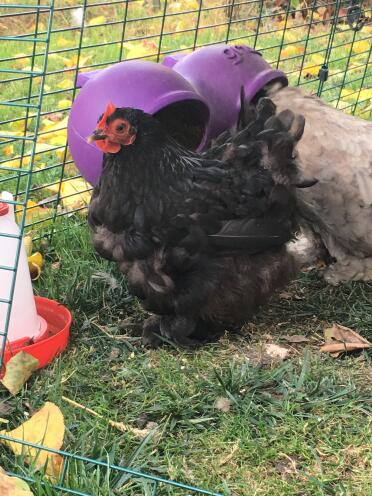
(340, 339)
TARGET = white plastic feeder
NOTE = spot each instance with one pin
(24, 324)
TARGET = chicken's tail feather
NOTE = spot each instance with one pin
(277, 136)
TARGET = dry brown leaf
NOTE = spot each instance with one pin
(222, 404)
(18, 370)
(46, 428)
(229, 457)
(296, 338)
(115, 352)
(286, 467)
(276, 351)
(12, 486)
(55, 117)
(339, 339)
(285, 295)
(5, 409)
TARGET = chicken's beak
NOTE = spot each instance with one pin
(98, 134)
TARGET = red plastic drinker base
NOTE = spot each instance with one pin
(53, 341)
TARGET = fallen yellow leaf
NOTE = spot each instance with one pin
(62, 42)
(181, 25)
(185, 5)
(62, 104)
(45, 123)
(54, 56)
(65, 84)
(291, 51)
(312, 67)
(51, 130)
(45, 428)
(361, 46)
(73, 61)
(20, 60)
(20, 56)
(27, 243)
(61, 154)
(311, 71)
(19, 125)
(75, 193)
(12, 164)
(344, 105)
(12, 486)
(55, 126)
(71, 169)
(284, 24)
(316, 16)
(34, 213)
(97, 20)
(191, 4)
(292, 35)
(8, 150)
(139, 50)
(18, 370)
(365, 94)
(349, 94)
(35, 264)
(42, 148)
(317, 58)
(59, 140)
(363, 112)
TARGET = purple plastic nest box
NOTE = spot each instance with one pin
(140, 84)
(196, 96)
(218, 72)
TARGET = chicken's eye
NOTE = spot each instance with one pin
(120, 128)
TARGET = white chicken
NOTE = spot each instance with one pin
(336, 148)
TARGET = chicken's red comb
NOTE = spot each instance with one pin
(110, 109)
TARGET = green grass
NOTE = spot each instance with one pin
(295, 427)
(299, 427)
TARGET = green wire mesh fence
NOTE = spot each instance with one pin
(322, 45)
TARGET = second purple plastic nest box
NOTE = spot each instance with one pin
(195, 95)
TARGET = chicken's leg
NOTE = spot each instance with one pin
(177, 328)
(151, 331)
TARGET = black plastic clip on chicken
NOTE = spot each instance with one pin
(201, 241)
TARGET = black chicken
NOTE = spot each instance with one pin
(201, 241)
